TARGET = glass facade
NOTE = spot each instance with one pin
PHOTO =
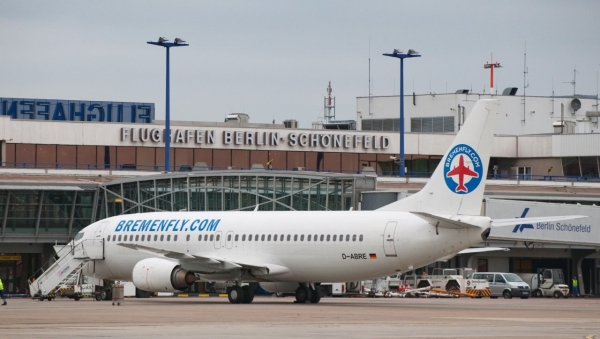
(54, 214)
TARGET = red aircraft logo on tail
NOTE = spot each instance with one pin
(461, 171)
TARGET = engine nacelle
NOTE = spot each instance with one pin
(160, 275)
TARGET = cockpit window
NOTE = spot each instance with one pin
(79, 236)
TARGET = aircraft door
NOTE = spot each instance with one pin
(218, 239)
(94, 248)
(229, 240)
(389, 246)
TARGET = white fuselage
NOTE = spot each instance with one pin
(374, 243)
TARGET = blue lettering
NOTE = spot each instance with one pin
(203, 224)
(163, 224)
(46, 112)
(212, 226)
(135, 225)
(59, 112)
(127, 225)
(170, 224)
(133, 113)
(193, 226)
(144, 116)
(145, 224)
(120, 226)
(73, 113)
(28, 107)
(153, 227)
(175, 229)
(183, 223)
(91, 116)
(12, 110)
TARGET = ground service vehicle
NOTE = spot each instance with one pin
(547, 282)
(455, 280)
(505, 285)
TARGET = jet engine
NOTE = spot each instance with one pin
(160, 275)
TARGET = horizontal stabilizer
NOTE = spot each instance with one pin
(445, 221)
(518, 221)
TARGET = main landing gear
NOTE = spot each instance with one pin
(308, 293)
(240, 294)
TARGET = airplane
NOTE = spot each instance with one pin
(293, 251)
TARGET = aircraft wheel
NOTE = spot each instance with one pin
(303, 294)
(235, 295)
(316, 295)
(248, 294)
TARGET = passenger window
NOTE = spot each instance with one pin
(200, 237)
(328, 237)
(269, 237)
(237, 236)
(137, 237)
(175, 237)
(281, 237)
(143, 236)
(354, 238)
(243, 237)
(262, 238)
(347, 237)
(187, 238)
(162, 237)
(218, 237)
(131, 237)
(334, 237)
(359, 238)
(119, 237)
(149, 237)
(108, 238)
(275, 237)
(341, 237)
(256, 237)
(302, 237)
(228, 237)
(316, 237)
(295, 237)
(308, 238)
(211, 237)
(169, 237)
(155, 237)
(289, 237)
(206, 237)
(322, 237)
(249, 237)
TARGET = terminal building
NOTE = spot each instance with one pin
(66, 164)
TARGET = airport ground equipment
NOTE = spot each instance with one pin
(118, 294)
(456, 281)
(72, 259)
(547, 282)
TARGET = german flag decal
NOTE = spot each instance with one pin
(372, 256)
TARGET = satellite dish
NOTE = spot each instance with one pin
(575, 104)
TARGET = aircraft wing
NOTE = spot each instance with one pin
(443, 221)
(214, 264)
(519, 221)
(483, 249)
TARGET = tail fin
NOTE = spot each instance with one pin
(458, 182)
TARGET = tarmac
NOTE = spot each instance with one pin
(270, 317)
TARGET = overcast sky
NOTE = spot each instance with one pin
(273, 59)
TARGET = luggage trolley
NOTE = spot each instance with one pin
(118, 294)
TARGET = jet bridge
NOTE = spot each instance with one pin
(73, 258)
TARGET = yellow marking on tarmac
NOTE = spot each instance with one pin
(590, 336)
(182, 295)
(203, 295)
(223, 295)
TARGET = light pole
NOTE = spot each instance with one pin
(400, 55)
(163, 42)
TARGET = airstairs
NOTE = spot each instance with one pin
(72, 259)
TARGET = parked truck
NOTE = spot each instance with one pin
(455, 280)
(547, 282)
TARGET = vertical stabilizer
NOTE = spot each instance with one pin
(458, 182)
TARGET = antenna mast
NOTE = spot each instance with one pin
(525, 84)
(329, 105)
(491, 65)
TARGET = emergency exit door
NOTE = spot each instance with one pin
(389, 246)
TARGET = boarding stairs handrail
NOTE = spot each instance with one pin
(71, 261)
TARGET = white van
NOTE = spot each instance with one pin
(505, 285)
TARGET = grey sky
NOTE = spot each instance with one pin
(273, 59)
